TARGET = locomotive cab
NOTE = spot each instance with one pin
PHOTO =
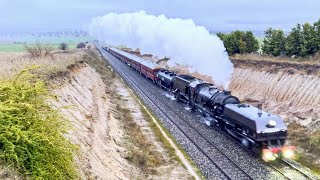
(181, 85)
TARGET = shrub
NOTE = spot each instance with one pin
(32, 134)
(81, 45)
(39, 50)
(63, 46)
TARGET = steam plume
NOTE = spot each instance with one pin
(181, 40)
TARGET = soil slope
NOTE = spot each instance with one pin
(295, 97)
(97, 130)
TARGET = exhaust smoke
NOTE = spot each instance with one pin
(181, 40)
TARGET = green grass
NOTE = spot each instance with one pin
(20, 47)
(11, 48)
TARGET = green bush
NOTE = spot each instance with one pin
(31, 132)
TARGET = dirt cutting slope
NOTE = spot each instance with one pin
(86, 100)
(296, 97)
(95, 128)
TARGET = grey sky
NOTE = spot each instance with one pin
(216, 15)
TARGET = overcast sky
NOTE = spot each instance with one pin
(216, 15)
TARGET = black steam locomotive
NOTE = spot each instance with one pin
(255, 129)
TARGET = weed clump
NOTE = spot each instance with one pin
(31, 132)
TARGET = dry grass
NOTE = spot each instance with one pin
(14, 61)
(256, 57)
(93, 58)
(170, 150)
(310, 143)
(275, 64)
(141, 151)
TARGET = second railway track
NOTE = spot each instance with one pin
(292, 172)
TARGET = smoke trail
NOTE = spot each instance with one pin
(179, 39)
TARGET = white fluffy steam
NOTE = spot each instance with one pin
(179, 39)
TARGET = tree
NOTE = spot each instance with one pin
(302, 40)
(221, 35)
(274, 42)
(308, 46)
(267, 42)
(252, 44)
(294, 41)
(239, 42)
(63, 46)
(316, 27)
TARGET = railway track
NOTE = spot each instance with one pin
(294, 172)
(228, 168)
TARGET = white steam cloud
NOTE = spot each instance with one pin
(179, 39)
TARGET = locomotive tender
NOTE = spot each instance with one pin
(257, 130)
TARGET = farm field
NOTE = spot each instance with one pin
(17, 43)
(21, 47)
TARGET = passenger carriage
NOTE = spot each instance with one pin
(150, 69)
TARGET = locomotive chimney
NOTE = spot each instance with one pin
(260, 109)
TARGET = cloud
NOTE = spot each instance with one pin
(214, 14)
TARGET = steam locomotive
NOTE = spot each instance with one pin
(255, 129)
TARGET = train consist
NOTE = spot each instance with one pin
(255, 129)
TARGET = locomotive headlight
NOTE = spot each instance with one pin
(288, 152)
(267, 155)
(272, 123)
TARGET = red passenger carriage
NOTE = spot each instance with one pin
(148, 68)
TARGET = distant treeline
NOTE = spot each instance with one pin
(301, 41)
